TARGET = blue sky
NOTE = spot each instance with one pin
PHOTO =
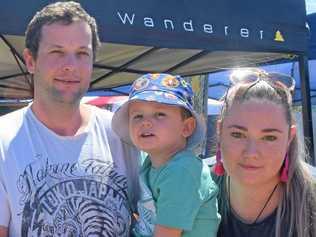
(310, 6)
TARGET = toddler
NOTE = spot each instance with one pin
(178, 195)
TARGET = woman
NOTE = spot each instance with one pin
(265, 187)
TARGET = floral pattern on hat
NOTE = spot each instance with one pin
(170, 81)
(140, 83)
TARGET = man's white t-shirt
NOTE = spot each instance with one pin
(53, 185)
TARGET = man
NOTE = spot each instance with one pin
(63, 172)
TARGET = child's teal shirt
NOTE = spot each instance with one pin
(180, 194)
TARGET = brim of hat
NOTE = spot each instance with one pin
(120, 121)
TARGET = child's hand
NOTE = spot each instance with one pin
(163, 231)
(135, 216)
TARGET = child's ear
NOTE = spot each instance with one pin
(188, 127)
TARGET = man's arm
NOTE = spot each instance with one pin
(5, 215)
(163, 231)
(3, 231)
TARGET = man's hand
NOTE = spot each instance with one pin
(163, 231)
(3, 231)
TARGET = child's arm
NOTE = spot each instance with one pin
(163, 231)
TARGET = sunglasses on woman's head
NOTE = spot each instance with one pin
(254, 75)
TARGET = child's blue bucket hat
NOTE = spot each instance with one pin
(161, 88)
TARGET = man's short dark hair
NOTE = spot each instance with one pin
(61, 12)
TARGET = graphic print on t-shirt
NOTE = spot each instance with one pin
(87, 198)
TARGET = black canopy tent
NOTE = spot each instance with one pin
(179, 37)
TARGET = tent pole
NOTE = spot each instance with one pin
(200, 88)
(306, 106)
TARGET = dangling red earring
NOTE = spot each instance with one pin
(284, 177)
(219, 168)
